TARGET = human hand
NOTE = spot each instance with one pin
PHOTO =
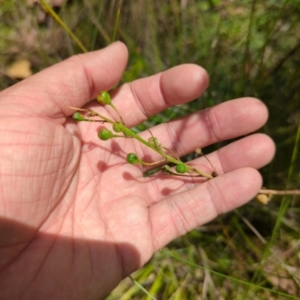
(75, 217)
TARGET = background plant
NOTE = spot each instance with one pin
(248, 48)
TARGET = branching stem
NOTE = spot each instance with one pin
(131, 134)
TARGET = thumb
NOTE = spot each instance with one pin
(72, 82)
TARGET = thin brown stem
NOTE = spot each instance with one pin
(277, 192)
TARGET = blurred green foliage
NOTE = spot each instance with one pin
(249, 48)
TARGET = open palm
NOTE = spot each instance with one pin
(75, 217)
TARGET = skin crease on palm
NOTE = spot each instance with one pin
(76, 218)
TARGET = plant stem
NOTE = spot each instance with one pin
(47, 8)
(129, 133)
(277, 192)
(169, 158)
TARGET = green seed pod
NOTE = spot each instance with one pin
(181, 168)
(105, 134)
(104, 98)
(116, 127)
(78, 117)
(132, 158)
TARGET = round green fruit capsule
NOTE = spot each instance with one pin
(105, 134)
(77, 116)
(116, 127)
(132, 158)
(104, 98)
(181, 168)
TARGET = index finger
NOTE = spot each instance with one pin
(72, 82)
(145, 97)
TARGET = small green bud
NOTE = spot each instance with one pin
(78, 117)
(116, 127)
(181, 168)
(154, 142)
(104, 98)
(105, 134)
(132, 158)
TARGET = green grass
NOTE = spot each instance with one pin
(249, 48)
